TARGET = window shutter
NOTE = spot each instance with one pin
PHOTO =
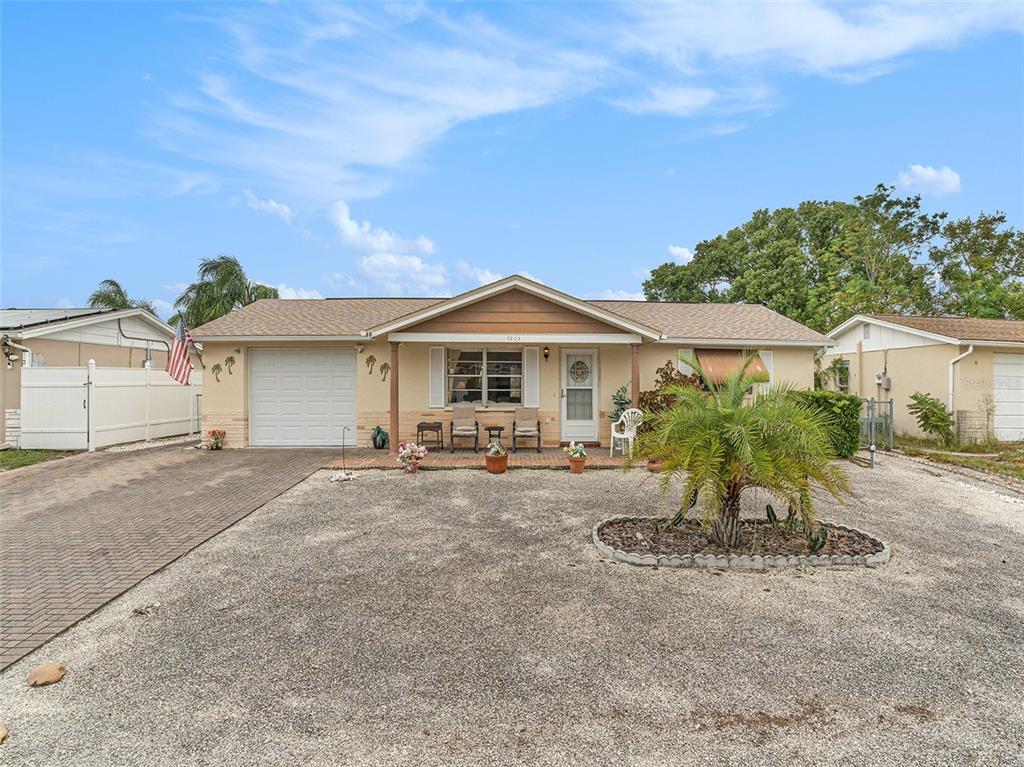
(437, 376)
(531, 377)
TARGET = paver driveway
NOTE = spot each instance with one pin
(77, 532)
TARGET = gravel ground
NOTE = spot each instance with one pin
(131, 447)
(459, 618)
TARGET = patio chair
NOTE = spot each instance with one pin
(627, 424)
(526, 426)
(464, 425)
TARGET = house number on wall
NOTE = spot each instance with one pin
(513, 338)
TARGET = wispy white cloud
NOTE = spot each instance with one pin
(477, 274)
(814, 37)
(288, 292)
(285, 103)
(64, 303)
(163, 308)
(269, 206)
(679, 101)
(929, 180)
(405, 274)
(364, 236)
(616, 295)
(680, 254)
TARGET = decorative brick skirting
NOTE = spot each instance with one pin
(737, 561)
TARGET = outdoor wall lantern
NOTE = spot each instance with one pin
(547, 353)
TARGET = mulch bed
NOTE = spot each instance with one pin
(757, 538)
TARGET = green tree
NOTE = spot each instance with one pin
(222, 287)
(979, 268)
(111, 295)
(724, 442)
(817, 263)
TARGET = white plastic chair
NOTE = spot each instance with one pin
(628, 422)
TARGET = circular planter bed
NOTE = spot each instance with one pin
(637, 541)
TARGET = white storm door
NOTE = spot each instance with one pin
(1008, 395)
(301, 397)
(579, 395)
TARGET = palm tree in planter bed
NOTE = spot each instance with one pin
(725, 441)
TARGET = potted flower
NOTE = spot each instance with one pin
(411, 455)
(216, 437)
(577, 456)
(379, 438)
(496, 458)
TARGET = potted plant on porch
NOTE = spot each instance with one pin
(577, 456)
(496, 458)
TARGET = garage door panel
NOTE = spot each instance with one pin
(1008, 395)
(302, 397)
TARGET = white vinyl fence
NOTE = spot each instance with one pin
(90, 408)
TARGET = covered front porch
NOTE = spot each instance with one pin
(548, 458)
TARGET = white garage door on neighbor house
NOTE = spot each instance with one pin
(302, 397)
(1008, 393)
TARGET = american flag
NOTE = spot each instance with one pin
(178, 363)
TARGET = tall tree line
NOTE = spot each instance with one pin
(821, 262)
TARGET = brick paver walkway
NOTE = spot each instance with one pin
(547, 458)
(76, 532)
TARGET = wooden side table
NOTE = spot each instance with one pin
(424, 428)
(494, 433)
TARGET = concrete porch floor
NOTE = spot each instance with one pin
(441, 458)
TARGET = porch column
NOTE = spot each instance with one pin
(635, 388)
(393, 412)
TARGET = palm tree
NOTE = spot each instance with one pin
(222, 286)
(112, 295)
(725, 442)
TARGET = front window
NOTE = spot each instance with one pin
(485, 376)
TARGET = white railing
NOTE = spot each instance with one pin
(89, 408)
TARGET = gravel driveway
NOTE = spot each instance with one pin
(459, 618)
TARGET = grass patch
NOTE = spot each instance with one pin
(15, 459)
(1008, 458)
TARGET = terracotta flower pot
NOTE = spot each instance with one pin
(496, 464)
(653, 466)
(576, 465)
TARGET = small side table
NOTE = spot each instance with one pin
(494, 433)
(424, 428)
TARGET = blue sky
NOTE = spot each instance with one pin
(421, 150)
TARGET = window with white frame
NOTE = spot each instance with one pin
(842, 371)
(485, 376)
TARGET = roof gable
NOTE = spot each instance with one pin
(953, 330)
(608, 318)
(82, 319)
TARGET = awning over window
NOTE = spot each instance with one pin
(719, 363)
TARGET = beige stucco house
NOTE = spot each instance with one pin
(308, 372)
(974, 366)
(70, 338)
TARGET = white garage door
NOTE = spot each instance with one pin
(302, 397)
(1008, 393)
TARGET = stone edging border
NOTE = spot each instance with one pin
(738, 561)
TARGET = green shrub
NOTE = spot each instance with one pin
(843, 412)
(932, 417)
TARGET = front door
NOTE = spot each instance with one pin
(579, 395)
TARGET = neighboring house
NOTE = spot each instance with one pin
(70, 338)
(308, 372)
(974, 366)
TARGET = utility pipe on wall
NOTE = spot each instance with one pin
(952, 362)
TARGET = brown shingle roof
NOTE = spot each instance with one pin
(351, 316)
(961, 328)
(710, 321)
(310, 317)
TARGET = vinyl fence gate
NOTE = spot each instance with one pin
(876, 424)
(86, 408)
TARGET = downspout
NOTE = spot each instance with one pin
(952, 362)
